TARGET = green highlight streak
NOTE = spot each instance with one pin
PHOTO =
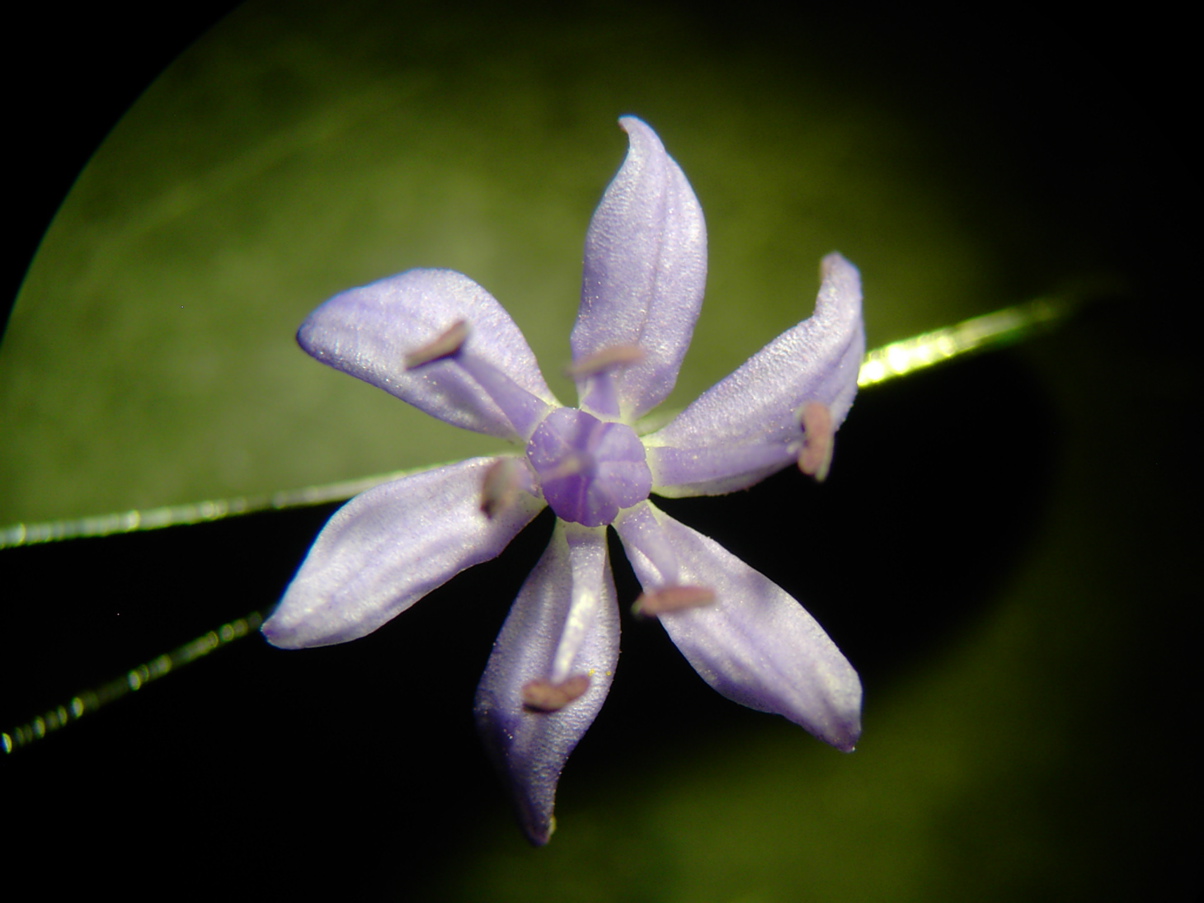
(136, 678)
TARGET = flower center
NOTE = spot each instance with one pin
(588, 468)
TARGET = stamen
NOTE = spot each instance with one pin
(446, 344)
(815, 457)
(501, 486)
(545, 696)
(672, 598)
(522, 409)
(606, 359)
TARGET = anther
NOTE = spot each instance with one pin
(815, 457)
(672, 598)
(446, 344)
(609, 358)
(501, 487)
(545, 696)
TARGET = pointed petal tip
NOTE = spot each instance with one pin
(848, 743)
(630, 123)
(281, 634)
(829, 718)
(642, 137)
(271, 632)
(837, 720)
(835, 261)
(289, 633)
(838, 729)
(841, 727)
(292, 629)
(836, 269)
(538, 835)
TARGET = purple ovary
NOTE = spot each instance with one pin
(588, 469)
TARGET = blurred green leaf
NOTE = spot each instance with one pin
(296, 151)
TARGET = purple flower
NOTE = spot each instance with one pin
(436, 339)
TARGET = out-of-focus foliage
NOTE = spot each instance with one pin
(299, 150)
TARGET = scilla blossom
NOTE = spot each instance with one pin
(436, 339)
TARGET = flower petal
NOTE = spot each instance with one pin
(754, 644)
(645, 271)
(746, 426)
(369, 331)
(390, 546)
(564, 623)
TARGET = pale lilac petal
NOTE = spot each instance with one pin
(754, 644)
(368, 332)
(390, 546)
(564, 622)
(645, 271)
(746, 427)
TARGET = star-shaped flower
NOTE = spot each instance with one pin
(436, 339)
